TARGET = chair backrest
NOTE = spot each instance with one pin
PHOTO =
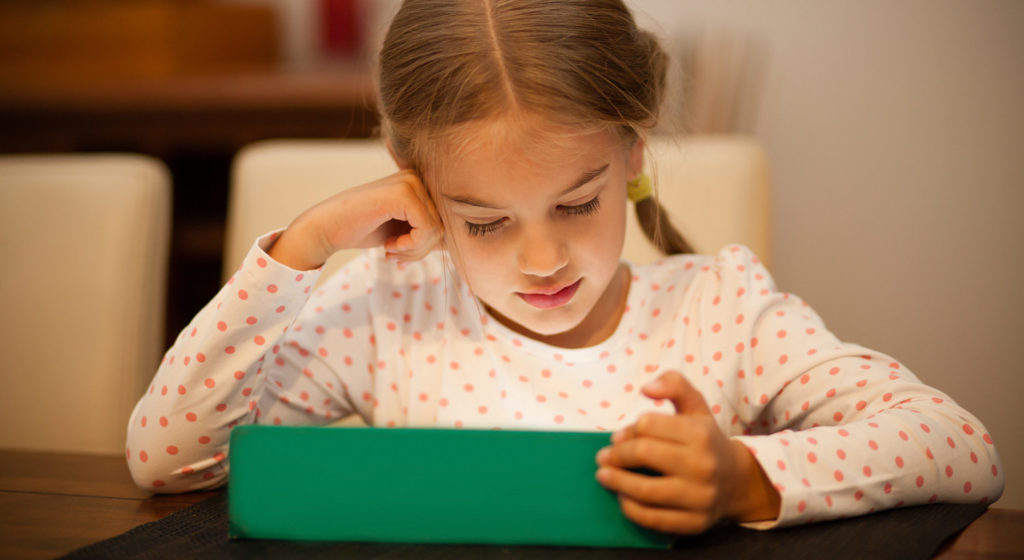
(715, 188)
(84, 240)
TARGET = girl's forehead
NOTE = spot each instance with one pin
(501, 144)
(496, 174)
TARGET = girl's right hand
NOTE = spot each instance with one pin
(395, 212)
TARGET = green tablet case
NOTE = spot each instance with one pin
(425, 485)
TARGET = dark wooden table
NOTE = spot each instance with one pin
(54, 503)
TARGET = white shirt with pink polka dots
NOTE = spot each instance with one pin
(839, 429)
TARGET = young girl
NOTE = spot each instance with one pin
(493, 295)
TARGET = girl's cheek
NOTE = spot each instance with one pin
(472, 256)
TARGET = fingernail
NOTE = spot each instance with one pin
(602, 455)
(618, 435)
(603, 474)
(653, 385)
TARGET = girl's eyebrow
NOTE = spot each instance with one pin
(585, 178)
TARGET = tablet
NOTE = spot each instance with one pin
(421, 485)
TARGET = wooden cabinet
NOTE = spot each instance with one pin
(70, 41)
(187, 81)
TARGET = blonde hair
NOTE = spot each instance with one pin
(583, 63)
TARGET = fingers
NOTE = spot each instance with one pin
(679, 429)
(423, 194)
(425, 214)
(666, 520)
(684, 396)
(660, 491)
(660, 455)
(424, 230)
(688, 496)
(684, 453)
(687, 448)
(414, 244)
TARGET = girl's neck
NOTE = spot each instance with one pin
(596, 327)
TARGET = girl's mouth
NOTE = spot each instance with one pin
(552, 300)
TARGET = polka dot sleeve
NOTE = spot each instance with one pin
(328, 355)
(211, 378)
(839, 429)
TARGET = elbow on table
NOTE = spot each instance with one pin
(993, 480)
(971, 442)
(175, 477)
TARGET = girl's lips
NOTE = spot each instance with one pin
(550, 301)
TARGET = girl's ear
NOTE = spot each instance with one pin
(635, 161)
(402, 164)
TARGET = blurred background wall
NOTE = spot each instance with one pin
(895, 131)
(896, 136)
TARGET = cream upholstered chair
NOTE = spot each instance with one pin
(84, 244)
(716, 190)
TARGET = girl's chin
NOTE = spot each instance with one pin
(544, 323)
(548, 329)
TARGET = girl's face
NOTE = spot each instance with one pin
(536, 222)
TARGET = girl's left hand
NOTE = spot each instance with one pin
(705, 476)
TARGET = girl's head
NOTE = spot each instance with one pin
(448, 64)
(525, 119)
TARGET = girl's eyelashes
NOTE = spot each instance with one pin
(483, 229)
(585, 209)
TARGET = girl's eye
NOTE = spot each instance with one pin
(480, 230)
(584, 209)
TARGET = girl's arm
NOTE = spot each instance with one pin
(836, 429)
(843, 430)
(214, 376)
(211, 378)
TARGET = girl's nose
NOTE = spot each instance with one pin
(542, 253)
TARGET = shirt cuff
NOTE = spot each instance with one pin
(768, 452)
(259, 269)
